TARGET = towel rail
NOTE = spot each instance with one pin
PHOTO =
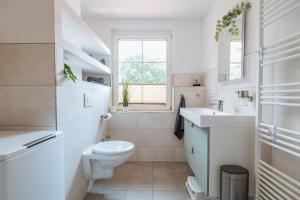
(279, 15)
(286, 58)
(273, 6)
(270, 12)
(267, 2)
(281, 85)
(280, 129)
(281, 183)
(281, 142)
(273, 184)
(268, 190)
(292, 182)
(272, 187)
(262, 196)
(280, 91)
(271, 50)
(280, 104)
(293, 153)
(283, 40)
(278, 182)
(283, 136)
(281, 97)
(290, 50)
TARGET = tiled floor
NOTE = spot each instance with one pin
(144, 181)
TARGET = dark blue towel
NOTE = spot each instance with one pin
(179, 124)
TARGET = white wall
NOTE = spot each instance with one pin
(82, 126)
(187, 35)
(226, 91)
(153, 133)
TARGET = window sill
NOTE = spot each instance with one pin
(143, 111)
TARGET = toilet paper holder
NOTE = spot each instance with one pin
(106, 116)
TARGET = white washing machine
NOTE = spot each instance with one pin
(31, 165)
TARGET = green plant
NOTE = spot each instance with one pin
(69, 73)
(102, 61)
(125, 94)
(229, 20)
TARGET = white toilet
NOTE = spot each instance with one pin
(99, 160)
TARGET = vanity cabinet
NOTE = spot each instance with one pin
(208, 148)
(196, 144)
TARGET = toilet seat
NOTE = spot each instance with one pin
(111, 148)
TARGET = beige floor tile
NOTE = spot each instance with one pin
(142, 177)
(114, 184)
(139, 195)
(91, 196)
(170, 195)
(106, 196)
(143, 181)
(163, 176)
(182, 169)
(140, 182)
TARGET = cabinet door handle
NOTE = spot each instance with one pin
(192, 150)
(192, 125)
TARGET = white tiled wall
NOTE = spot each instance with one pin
(153, 132)
(82, 126)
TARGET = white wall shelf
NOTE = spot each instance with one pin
(189, 88)
(80, 59)
(78, 33)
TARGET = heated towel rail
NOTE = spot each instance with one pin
(275, 94)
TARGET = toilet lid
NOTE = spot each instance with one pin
(113, 147)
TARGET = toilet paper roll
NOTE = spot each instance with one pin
(106, 116)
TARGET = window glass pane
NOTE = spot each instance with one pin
(145, 94)
(154, 73)
(135, 93)
(155, 94)
(130, 51)
(143, 64)
(131, 73)
(155, 51)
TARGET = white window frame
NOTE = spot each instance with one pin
(140, 35)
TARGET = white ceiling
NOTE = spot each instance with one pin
(145, 8)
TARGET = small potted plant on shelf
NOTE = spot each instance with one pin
(68, 73)
(125, 94)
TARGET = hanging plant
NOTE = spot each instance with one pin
(69, 73)
(229, 20)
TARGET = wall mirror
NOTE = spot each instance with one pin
(231, 52)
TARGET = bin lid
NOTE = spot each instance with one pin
(13, 143)
(234, 169)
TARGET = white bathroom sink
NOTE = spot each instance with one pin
(204, 117)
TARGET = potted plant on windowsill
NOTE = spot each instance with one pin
(125, 94)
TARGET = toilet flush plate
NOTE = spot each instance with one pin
(88, 102)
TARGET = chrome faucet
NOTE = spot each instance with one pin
(218, 103)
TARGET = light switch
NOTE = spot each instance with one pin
(88, 102)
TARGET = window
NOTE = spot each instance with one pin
(142, 61)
